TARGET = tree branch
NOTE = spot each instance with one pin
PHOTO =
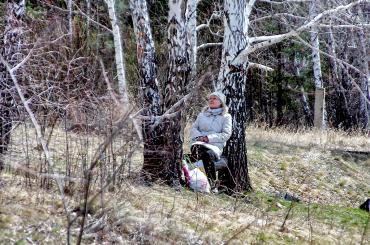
(40, 137)
(208, 45)
(266, 41)
(343, 64)
(259, 66)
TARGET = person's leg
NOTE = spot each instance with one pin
(199, 152)
(209, 158)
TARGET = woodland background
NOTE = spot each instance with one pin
(98, 95)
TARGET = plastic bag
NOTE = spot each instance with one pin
(199, 164)
(199, 181)
(196, 179)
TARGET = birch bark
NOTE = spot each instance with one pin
(178, 57)
(319, 114)
(149, 92)
(191, 34)
(232, 81)
(70, 20)
(176, 85)
(120, 62)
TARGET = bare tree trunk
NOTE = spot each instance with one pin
(278, 79)
(70, 20)
(319, 114)
(342, 114)
(177, 80)
(232, 81)
(120, 62)
(191, 33)
(179, 66)
(11, 40)
(88, 10)
(149, 93)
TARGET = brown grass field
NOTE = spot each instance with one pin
(329, 171)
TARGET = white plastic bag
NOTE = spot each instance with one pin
(195, 178)
(198, 181)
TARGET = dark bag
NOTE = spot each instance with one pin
(365, 206)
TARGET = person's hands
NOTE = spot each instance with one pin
(203, 139)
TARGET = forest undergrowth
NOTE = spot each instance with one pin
(329, 172)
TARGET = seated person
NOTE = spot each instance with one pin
(209, 133)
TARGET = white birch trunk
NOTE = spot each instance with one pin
(176, 85)
(70, 20)
(146, 58)
(319, 114)
(236, 23)
(191, 33)
(332, 52)
(158, 154)
(179, 66)
(88, 10)
(120, 62)
(232, 81)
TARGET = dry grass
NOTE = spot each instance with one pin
(331, 182)
(330, 139)
(333, 170)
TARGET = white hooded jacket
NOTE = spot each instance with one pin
(215, 124)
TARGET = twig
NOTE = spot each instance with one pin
(110, 89)
(102, 147)
(238, 232)
(172, 112)
(309, 221)
(286, 216)
(342, 63)
(40, 137)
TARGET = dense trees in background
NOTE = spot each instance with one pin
(280, 63)
(11, 40)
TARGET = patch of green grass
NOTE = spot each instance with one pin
(342, 215)
(37, 236)
(20, 242)
(333, 214)
(327, 213)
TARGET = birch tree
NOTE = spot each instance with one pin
(70, 20)
(237, 47)
(11, 41)
(178, 54)
(191, 34)
(319, 111)
(149, 88)
(232, 81)
(163, 141)
(239, 43)
(120, 62)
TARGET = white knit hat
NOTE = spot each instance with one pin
(221, 97)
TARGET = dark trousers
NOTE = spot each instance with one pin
(199, 152)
